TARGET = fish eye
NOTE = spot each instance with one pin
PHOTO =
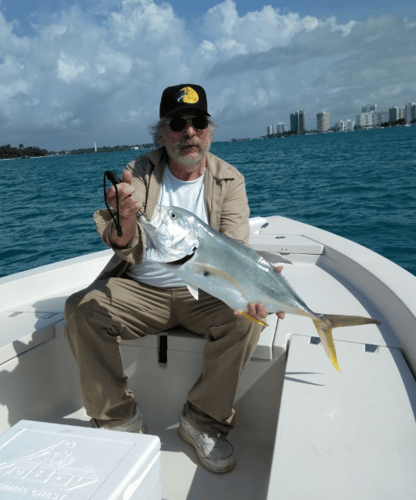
(172, 216)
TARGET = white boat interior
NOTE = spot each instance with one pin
(304, 431)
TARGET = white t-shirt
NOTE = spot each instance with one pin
(174, 192)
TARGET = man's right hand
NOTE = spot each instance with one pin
(127, 208)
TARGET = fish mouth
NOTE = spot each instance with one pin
(183, 260)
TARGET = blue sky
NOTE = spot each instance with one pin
(360, 10)
(75, 72)
(23, 10)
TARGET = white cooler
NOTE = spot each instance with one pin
(62, 462)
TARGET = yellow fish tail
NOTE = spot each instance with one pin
(327, 340)
(330, 321)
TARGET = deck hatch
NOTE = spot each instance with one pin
(288, 244)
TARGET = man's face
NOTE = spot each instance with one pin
(189, 146)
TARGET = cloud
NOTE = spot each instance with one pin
(323, 66)
(81, 75)
(98, 73)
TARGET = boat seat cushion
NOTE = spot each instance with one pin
(181, 339)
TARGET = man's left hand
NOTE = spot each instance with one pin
(258, 311)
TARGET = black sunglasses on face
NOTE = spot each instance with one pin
(179, 124)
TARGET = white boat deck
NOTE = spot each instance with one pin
(359, 437)
(182, 475)
(331, 430)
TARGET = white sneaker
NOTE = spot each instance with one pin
(216, 455)
(135, 424)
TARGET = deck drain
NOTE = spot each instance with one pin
(315, 340)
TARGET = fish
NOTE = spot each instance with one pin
(234, 273)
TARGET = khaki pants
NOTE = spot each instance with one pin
(120, 308)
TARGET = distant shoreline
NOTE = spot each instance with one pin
(11, 153)
(21, 153)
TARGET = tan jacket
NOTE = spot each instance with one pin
(225, 199)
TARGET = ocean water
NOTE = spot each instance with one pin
(360, 185)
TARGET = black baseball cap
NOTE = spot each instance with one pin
(180, 98)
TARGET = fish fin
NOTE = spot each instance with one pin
(338, 320)
(325, 333)
(254, 320)
(330, 321)
(193, 291)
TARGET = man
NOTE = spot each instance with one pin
(134, 297)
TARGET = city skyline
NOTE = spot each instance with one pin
(368, 117)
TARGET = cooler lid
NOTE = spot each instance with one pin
(69, 462)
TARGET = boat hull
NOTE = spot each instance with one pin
(296, 416)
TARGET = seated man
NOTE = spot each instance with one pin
(134, 297)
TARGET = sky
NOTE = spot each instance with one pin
(75, 72)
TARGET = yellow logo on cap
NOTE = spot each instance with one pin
(188, 95)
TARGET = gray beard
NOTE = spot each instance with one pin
(188, 162)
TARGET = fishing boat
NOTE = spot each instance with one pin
(304, 431)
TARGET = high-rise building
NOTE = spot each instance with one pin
(365, 120)
(345, 125)
(322, 121)
(298, 122)
(294, 122)
(302, 122)
(381, 117)
(410, 112)
(372, 118)
(280, 128)
(369, 108)
(396, 113)
(275, 129)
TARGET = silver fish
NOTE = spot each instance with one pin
(232, 272)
